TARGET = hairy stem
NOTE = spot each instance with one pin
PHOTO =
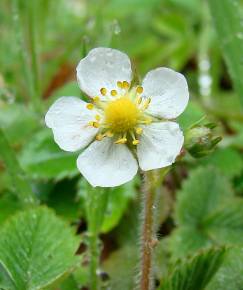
(148, 237)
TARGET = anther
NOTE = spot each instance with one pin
(90, 106)
(125, 85)
(94, 124)
(147, 120)
(103, 91)
(97, 117)
(121, 141)
(139, 100)
(99, 137)
(135, 142)
(139, 90)
(146, 103)
(96, 99)
(113, 93)
(139, 130)
(109, 134)
(119, 84)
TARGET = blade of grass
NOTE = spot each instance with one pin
(228, 20)
(28, 53)
(18, 177)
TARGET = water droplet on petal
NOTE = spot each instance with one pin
(109, 53)
(92, 58)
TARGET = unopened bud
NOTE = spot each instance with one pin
(200, 140)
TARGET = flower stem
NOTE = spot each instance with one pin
(148, 238)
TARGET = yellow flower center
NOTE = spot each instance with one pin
(121, 115)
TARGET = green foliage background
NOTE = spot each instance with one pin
(48, 211)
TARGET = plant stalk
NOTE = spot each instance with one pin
(152, 181)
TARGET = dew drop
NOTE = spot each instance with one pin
(239, 35)
(90, 23)
(204, 65)
(92, 58)
(109, 64)
(109, 53)
(116, 27)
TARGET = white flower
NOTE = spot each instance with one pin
(122, 126)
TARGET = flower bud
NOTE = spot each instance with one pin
(200, 140)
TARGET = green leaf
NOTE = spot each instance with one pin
(36, 248)
(192, 114)
(6, 282)
(121, 268)
(204, 196)
(18, 121)
(228, 160)
(230, 275)
(117, 202)
(18, 177)
(43, 159)
(227, 17)
(196, 272)
(9, 204)
(186, 240)
(63, 199)
(69, 284)
(204, 191)
(225, 225)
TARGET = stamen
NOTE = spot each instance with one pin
(109, 134)
(103, 91)
(90, 106)
(113, 93)
(96, 99)
(97, 117)
(135, 142)
(146, 120)
(94, 124)
(146, 103)
(139, 90)
(139, 130)
(139, 100)
(119, 84)
(121, 141)
(99, 137)
(125, 85)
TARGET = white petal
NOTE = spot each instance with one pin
(159, 145)
(68, 118)
(168, 91)
(107, 164)
(103, 68)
